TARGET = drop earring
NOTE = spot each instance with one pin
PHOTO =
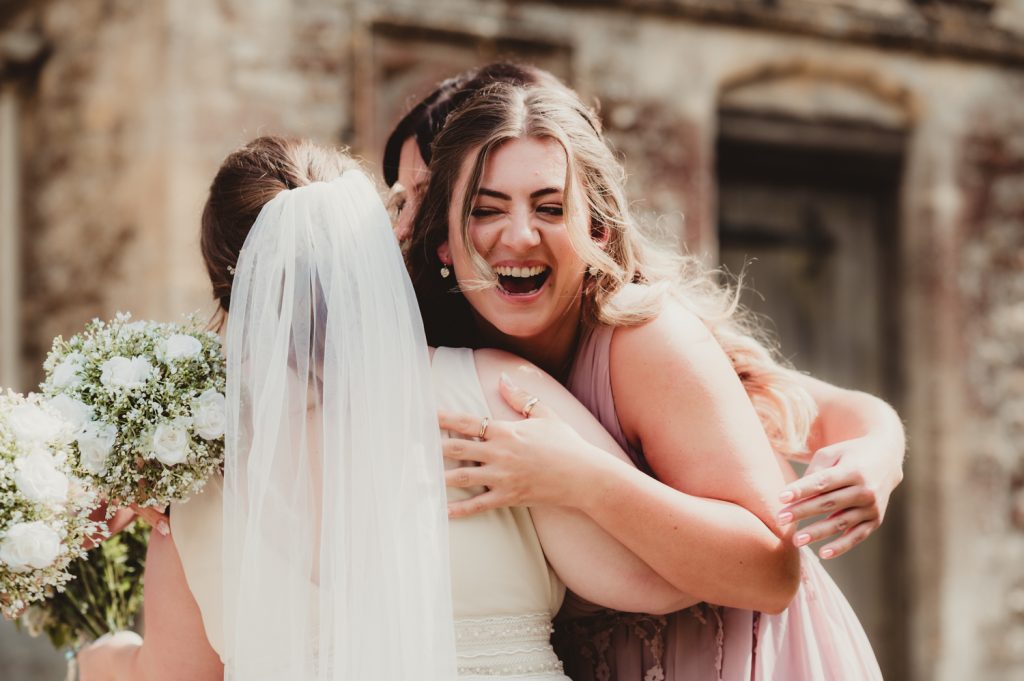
(445, 272)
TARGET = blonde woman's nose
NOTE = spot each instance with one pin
(520, 232)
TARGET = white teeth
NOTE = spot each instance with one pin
(520, 272)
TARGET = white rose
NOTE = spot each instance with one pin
(179, 346)
(32, 425)
(67, 373)
(122, 372)
(75, 412)
(95, 442)
(170, 442)
(209, 415)
(39, 480)
(28, 546)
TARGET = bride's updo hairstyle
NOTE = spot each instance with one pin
(247, 180)
(613, 249)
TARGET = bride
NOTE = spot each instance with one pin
(325, 552)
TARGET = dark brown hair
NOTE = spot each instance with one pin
(248, 179)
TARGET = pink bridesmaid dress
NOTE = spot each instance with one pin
(817, 638)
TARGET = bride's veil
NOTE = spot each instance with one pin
(336, 558)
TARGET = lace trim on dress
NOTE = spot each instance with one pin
(517, 645)
(592, 637)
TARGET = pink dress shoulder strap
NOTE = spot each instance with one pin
(590, 381)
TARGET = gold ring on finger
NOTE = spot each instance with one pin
(484, 422)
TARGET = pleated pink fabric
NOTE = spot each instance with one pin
(818, 637)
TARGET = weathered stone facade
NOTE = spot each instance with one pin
(126, 109)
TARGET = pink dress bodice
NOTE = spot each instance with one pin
(817, 637)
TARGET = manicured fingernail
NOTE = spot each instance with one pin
(507, 382)
(163, 528)
(785, 518)
(802, 538)
(827, 553)
(787, 496)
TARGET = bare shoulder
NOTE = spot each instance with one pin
(673, 348)
(492, 363)
(675, 330)
(667, 366)
(500, 360)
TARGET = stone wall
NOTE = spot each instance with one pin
(124, 124)
(991, 281)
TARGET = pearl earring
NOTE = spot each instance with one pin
(445, 272)
(593, 270)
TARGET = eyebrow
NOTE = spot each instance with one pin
(484, 191)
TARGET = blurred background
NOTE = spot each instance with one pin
(867, 155)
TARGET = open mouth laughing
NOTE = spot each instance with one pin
(522, 281)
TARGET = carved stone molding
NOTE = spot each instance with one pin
(958, 28)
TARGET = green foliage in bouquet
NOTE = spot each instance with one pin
(105, 594)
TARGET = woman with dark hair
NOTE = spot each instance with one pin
(559, 274)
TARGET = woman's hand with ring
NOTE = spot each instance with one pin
(521, 463)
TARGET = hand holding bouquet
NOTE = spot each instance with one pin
(147, 400)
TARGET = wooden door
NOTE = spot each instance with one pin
(815, 228)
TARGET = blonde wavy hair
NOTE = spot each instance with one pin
(614, 249)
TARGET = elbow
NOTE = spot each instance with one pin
(783, 579)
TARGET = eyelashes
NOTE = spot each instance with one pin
(550, 210)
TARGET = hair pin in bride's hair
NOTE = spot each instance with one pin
(231, 270)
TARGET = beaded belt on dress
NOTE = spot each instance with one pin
(516, 645)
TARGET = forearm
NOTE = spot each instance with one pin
(574, 544)
(850, 414)
(715, 550)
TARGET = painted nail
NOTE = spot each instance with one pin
(787, 496)
(802, 538)
(785, 518)
(163, 528)
(827, 553)
(506, 381)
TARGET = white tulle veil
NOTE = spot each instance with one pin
(336, 541)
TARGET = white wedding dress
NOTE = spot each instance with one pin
(504, 591)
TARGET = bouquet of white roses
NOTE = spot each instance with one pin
(148, 402)
(43, 503)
